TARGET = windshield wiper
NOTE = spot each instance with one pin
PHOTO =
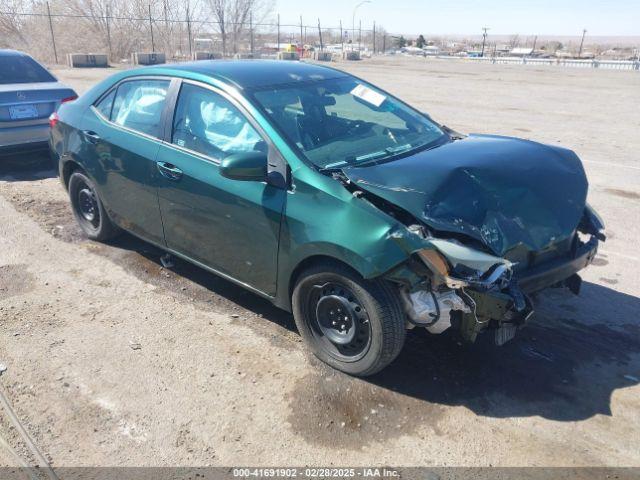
(333, 167)
(371, 156)
(384, 153)
(399, 148)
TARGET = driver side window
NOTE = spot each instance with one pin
(209, 124)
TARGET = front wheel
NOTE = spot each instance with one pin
(352, 324)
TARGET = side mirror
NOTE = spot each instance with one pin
(247, 166)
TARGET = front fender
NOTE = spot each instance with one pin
(324, 219)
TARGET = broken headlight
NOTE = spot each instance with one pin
(465, 267)
(591, 223)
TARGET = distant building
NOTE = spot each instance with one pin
(502, 50)
(564, 54)
(432, 50)
(521, 52)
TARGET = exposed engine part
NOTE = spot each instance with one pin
(496, 277)
(429, 309)
(501, 275)
(418, 230)
(504, 333)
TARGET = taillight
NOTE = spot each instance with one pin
(53, 119)
(69, 99)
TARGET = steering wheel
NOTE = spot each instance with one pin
(361, 127)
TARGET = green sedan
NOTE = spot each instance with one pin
(330, 197)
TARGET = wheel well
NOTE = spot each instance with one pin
(314, 260)
(68, 168)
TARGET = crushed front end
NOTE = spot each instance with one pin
(453, 285)
(486, 221)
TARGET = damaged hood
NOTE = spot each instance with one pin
(504, 192)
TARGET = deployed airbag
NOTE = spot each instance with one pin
(226, 129)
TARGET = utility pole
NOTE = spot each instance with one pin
(167, 35)
(153, 43)
(374, 38)
(320, 36)
(341, 38)
(301, 37)
(53, 38)
(251, 32)
(189, 33)
(107, 20)
(584, 32)
(484, 39)
(353, 20)
(278, 38)
(166, 16)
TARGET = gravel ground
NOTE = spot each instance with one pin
(113, 360)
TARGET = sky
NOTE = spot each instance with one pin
(503, 17)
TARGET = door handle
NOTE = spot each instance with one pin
(92, 136)
(169, 170)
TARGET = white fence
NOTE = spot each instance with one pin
(568, 62)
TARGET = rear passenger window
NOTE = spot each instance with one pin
(138, 105)
(104, 105)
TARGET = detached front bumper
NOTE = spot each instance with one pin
(504, 310)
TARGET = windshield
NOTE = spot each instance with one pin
(20, 69)
(345, 121)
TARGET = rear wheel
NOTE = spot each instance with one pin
(352, 324)
(88, 208)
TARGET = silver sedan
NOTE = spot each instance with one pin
(29, 94)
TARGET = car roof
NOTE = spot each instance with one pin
(4, 52)
(254, 74)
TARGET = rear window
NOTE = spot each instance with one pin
(19, 69)
(138, 105)
(105, 104)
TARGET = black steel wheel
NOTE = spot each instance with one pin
(354, 325)
(88, 208)
(338, 320)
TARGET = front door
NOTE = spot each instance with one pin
(228, 225)
(121, 140)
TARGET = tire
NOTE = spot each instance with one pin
(89, 209)
(354, 325)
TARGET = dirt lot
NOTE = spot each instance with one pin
(113, 360)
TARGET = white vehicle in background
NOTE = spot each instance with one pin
(29, 94)
(414, 51)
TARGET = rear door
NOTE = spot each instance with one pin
(228, 225)
(120, 136)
